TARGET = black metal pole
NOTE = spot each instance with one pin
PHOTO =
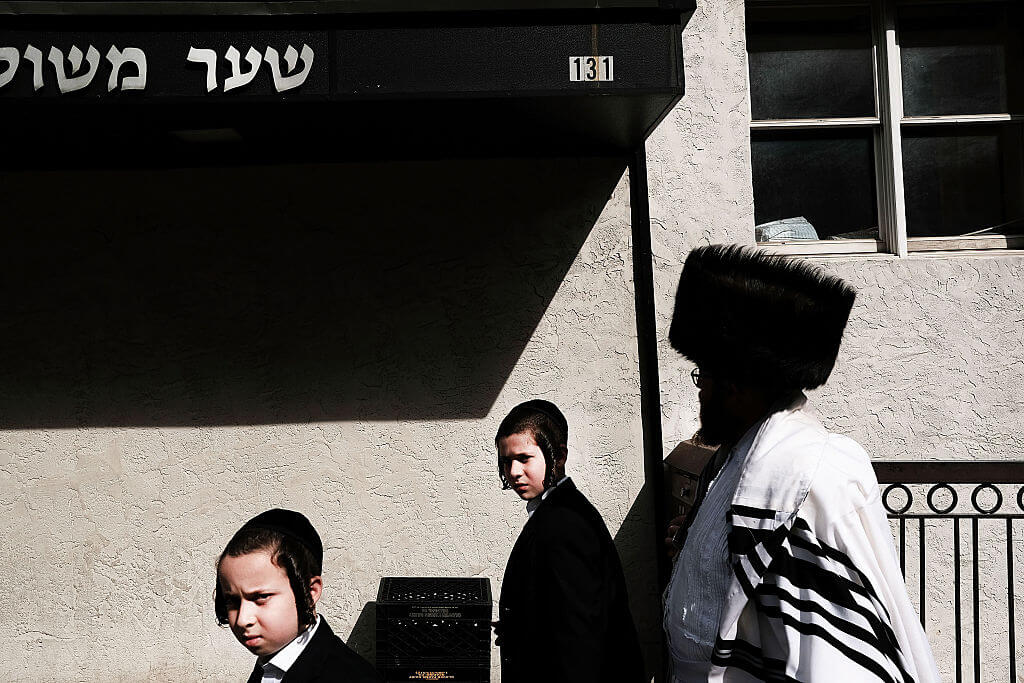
(647, 349)
(647, 353)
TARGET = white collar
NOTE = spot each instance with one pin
(534, 503)
(284, 658)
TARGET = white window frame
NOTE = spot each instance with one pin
(888, 145)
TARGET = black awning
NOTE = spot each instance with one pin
(278, 7)
(98, 89)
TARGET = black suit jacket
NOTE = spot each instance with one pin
(326, 659)
(563, 611)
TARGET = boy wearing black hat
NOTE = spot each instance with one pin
(268, 583)
(786, 568)
(563, 607)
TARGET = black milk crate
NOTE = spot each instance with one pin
(434, 629)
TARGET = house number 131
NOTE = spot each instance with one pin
(591, 69)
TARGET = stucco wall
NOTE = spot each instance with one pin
(341, 340)
(344, 339)
(700, 185)
(931, 365)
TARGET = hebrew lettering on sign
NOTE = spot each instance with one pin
(78, 78)
(11, 56)
(72, 83)
(119, 58)
(286, 79)
(129, 70)
(291, 55)
(34, 55)
(201, 55)
(237, 79)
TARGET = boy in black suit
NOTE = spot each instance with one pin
(268, 584)
(564, 614)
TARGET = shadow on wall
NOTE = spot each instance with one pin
(363, 638)
(280, 294)
(635, 544)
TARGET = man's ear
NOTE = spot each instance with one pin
(316, 588)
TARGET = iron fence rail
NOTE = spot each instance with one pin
(987, 478)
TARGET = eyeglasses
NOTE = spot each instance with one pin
(695, 376)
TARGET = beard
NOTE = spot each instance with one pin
(717, 426)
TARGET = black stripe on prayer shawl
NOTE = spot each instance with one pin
(882, 636)
(861, 586)
(742, 539)
(745, 543)
(757, 513)
(833, 554)
(879, 622)
(832, 587)
(840, 624)
(850, 653)
(745, 582)
(749, 658)
(756, 563)
(887, 650)
(805, 540)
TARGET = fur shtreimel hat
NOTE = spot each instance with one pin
(755, 316)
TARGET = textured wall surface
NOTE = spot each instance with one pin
(181, 361)
(931, 368)
(343, 340)
(932, 364)
(699, 175)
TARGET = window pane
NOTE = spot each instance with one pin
(813, 63)
(961, 59)
(825, 178)
(962, 180)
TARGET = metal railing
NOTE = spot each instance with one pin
(996, 501)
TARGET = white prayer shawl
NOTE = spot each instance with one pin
(817, 593)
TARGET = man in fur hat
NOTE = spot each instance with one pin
(786, 569)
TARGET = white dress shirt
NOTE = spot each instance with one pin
(277, 666)
(697, 591)
(534, 503)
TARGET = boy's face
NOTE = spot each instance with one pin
(523, 464)
(260, 602)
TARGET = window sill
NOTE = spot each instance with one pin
(914, 245)
(917, 244)
(823, 247)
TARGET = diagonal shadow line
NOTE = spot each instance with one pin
(263, 295)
